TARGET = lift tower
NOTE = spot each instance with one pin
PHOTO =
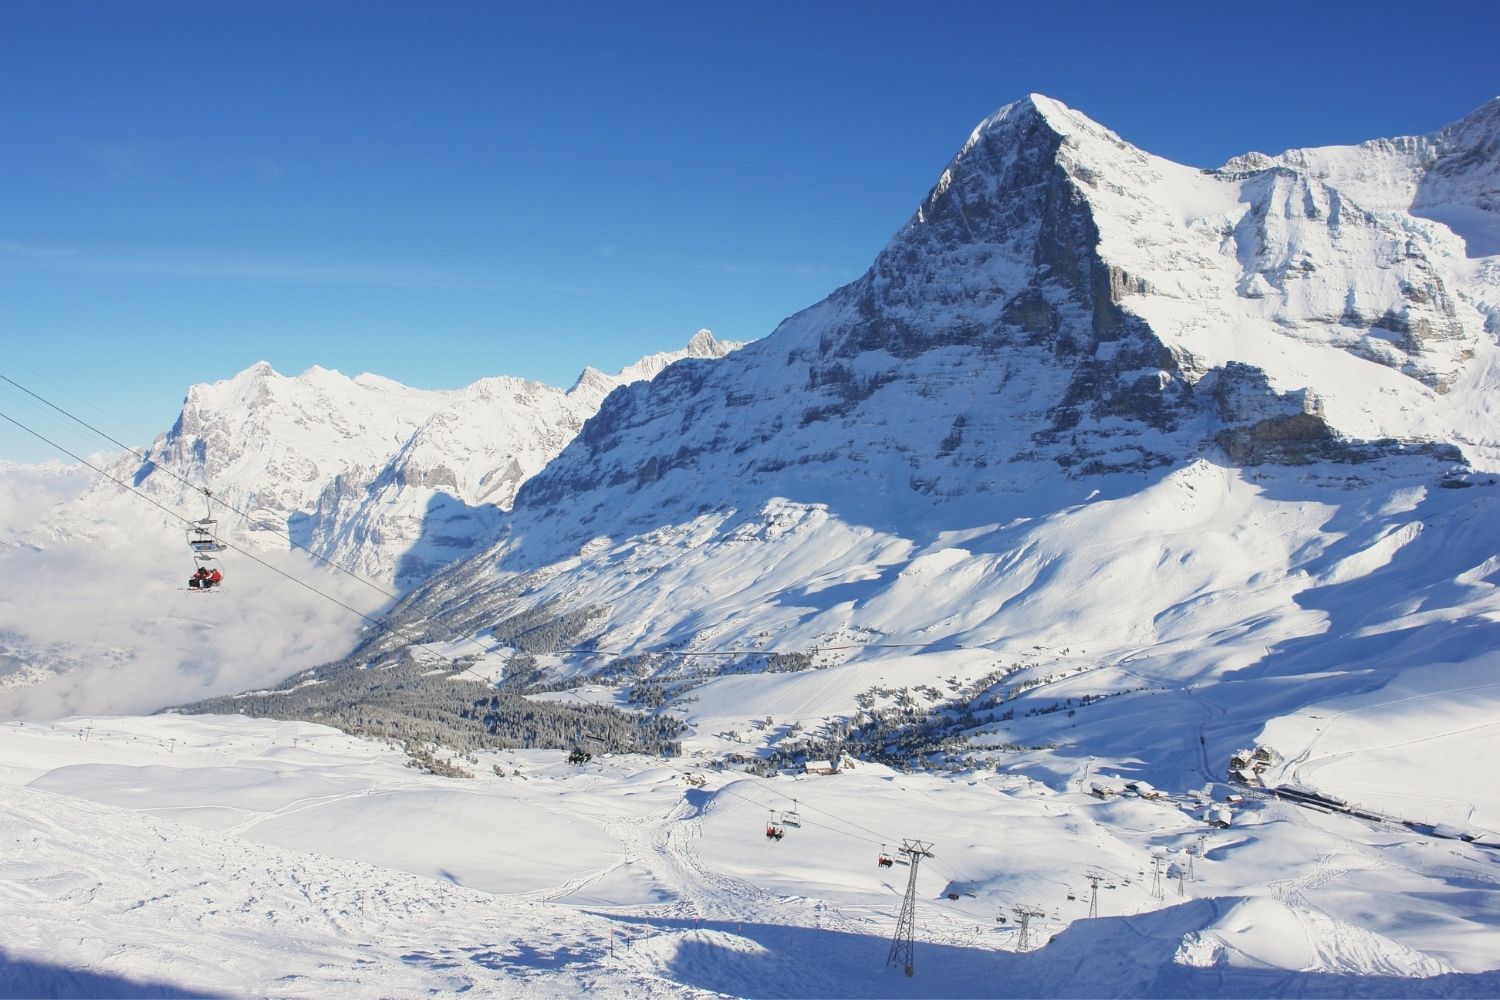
(904, 943)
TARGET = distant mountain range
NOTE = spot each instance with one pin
(388, 481)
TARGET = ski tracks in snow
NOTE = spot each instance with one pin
(1336, 945)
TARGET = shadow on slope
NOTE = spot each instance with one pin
(1399, 575)
(1105, 957)
(24, 977)
(451, 530)
(1398, 588)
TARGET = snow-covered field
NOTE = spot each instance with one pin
(244, 857)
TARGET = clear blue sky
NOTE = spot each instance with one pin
(438, 191)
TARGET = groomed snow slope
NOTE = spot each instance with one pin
(181, 855)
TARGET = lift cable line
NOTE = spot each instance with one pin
(258, 522)
(249, 555)
(271, 527)
(168, 470)
(16, 364)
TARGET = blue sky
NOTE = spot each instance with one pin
(442, 191)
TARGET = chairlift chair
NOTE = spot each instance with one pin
(203, 537)
(792, 818)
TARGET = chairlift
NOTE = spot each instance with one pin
(774, 830)
(792, 818)
(203, 534)
(204, 542)
(203, 537)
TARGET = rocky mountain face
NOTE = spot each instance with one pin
(390, 481)
(1064, 301)
(1065, 319)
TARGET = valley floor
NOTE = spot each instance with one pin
(170, 856)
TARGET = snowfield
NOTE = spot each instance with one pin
(218, 855)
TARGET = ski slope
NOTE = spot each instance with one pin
(231, 856)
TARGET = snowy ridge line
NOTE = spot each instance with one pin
(279, 572)
(769, 652)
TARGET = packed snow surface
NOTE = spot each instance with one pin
(229, 856)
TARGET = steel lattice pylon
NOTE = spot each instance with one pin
(904, 943)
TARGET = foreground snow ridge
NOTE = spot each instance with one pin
(224, 856)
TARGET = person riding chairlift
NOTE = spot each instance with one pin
(199, 580)
(215, 577)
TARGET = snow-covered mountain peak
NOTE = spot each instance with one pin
(704, 345)
(1064, 316)
(383, 477)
